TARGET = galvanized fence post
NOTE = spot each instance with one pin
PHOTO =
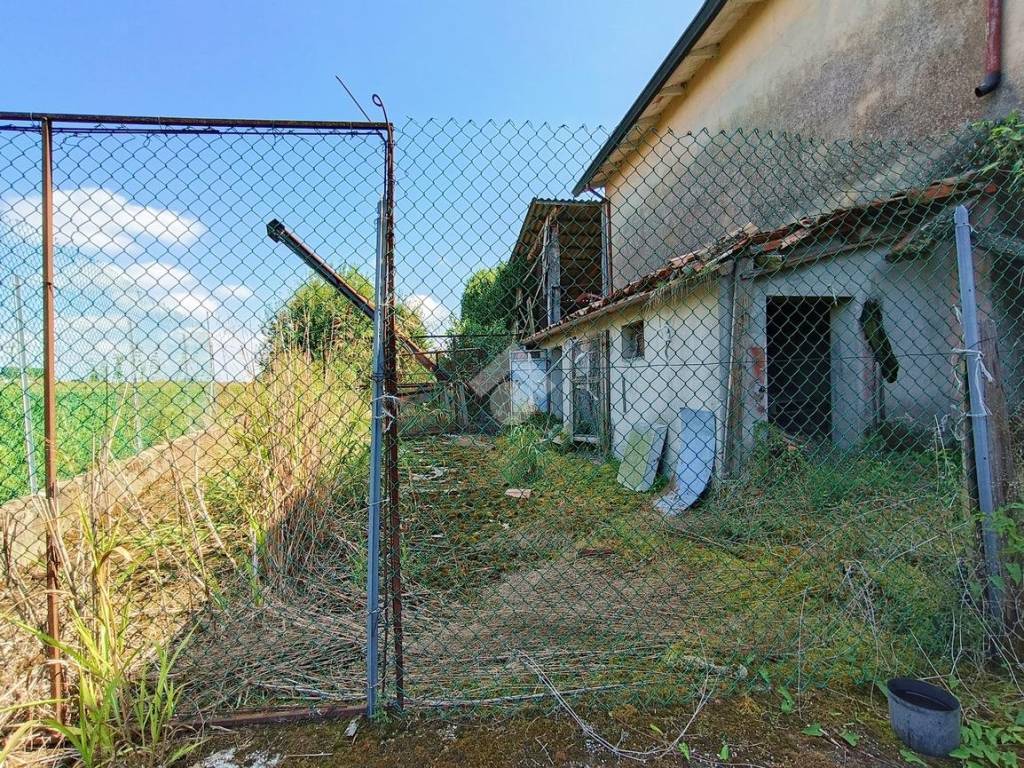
(26, 396)
(978, 415)
(373, 523)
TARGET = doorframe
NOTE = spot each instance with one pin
(601, 397)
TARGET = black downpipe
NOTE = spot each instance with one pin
(990, 83)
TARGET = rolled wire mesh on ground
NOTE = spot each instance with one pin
(798, 296)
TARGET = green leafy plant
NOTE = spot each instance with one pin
(849, 737)
(123, 699)
(724, 753)
(814, 729)
(987, 745)
(1003, 147)
(154, 702)
(524, 454)
(788, 702)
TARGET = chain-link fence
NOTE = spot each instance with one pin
(720, 408)
(704, 418)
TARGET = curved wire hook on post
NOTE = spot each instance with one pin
(391, 401)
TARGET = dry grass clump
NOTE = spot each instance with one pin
(234, 566)
(286, 621)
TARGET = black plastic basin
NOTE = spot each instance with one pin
(925, 717)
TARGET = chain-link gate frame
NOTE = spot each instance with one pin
(108, 128)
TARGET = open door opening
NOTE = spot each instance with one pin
(587, 382)
(799, 335)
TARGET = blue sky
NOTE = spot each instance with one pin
(563, 62)
(163, 238)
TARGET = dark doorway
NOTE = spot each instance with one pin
(799, 331)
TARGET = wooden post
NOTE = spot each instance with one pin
(740, 311)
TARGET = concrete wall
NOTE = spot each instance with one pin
(917, 297)
(686, 340)
(836, 69)
(828, 69)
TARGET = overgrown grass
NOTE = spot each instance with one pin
(524, 452)
(123, 695)
(815, 567)
(238, 549)
(289, 506)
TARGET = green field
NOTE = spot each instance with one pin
(89, 414)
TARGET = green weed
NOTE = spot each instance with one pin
(123, 695)
(524, 452)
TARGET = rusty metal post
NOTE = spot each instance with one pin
(391, 399)
(57, 681)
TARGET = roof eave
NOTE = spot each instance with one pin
(707, 14)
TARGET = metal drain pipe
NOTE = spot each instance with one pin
(993, 50)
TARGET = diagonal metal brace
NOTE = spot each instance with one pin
(279, 233)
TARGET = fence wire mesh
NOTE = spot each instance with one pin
(720, 412)
(701, 428)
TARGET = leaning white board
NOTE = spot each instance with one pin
(695, 463)
(641, 454)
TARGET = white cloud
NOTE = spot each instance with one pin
(97, 220)
(236, 353)
(149, 287)
(232, 291)
(188, 303)
(150, 275)
(235, 350)
(436, 317)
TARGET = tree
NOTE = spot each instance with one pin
(489, 299)
(488, 307)
(318, 321)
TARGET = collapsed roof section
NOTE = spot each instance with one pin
(560, 249)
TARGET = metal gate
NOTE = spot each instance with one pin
(193, 316)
